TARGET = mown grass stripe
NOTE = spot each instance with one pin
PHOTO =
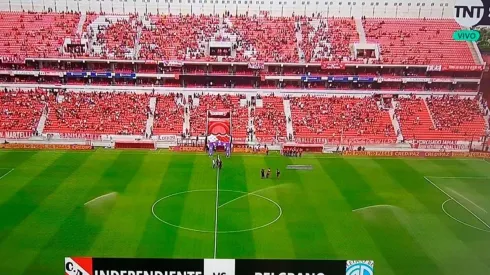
(198, 212)
(78, 231)
(131, 209)
(26, 169)
(305, 228)
(41, 206)
(347, 235)
(239, 212)
(265, 246)
(158, 239)
(28, 198)
(430, 217)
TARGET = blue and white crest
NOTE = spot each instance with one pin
(360, 268)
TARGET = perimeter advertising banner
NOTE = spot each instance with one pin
(119, 266)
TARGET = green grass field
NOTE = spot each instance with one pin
(57, 204)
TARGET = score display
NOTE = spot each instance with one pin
(139, 266)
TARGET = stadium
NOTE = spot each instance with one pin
(247, 137)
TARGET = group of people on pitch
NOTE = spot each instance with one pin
(217, 163)
(266, 175)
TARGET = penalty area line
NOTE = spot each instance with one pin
(451, 197)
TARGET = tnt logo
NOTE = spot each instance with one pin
(78, 266)
(360, 268)
(469, 13)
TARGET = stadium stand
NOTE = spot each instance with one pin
(178, 46)
(417, 41)
(98, 113)
(443, 118)
(24, 34)
(21, 110)
(169, 115)
(270, 120)
(219, 102)
(265, 38)
(341, 117)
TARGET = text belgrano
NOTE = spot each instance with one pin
(145, 272)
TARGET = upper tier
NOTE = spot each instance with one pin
(233, 38)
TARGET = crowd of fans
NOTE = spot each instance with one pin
(30, 34)
(264, 38)
(347, 117)
(21, 110)
(446, 117)
(98, 113)
(270, 120)
(239, 114)
(169, 114)
(460, 116)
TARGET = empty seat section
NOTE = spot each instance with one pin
(418, 41)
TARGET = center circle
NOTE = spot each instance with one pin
(243, 195)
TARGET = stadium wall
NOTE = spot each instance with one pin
(357, 8)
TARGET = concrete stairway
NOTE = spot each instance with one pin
(360, 30)
(83, 17)
(430, 114)
(42, 120)
(251, 124)
(395, 122)
(187, 118)
(475, 52)
(151, 117)
(289, 124)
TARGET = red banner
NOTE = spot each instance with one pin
(417, 154)
(333, 66)
(462, 68)
(45, 146)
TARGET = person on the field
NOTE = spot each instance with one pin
(214, 163)
(220, 163)
(278, 173)
(268, 173)
(262, 173)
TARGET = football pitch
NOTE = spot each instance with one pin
(411, 216)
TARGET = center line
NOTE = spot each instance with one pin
(216, 214)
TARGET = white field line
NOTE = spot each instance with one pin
(99, 197)
(4, 175)
(319, 156)
(248, 194)
(374, 206)
(470, 201)
(440, 189)
(436, 177)
(462, 222)
(216, 215)
(212, 231)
